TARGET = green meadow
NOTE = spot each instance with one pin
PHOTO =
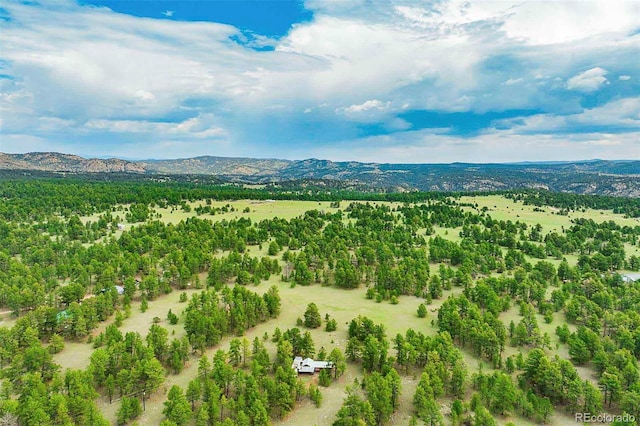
(342, 305)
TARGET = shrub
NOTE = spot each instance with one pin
(422, 311)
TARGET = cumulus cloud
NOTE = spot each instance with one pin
(368, 105)
(77, 71)
(624, 77)
(547, 23)
(371, 110)
(203, 126)
(495, 146)
(588, 81)
(512, 81)
(619, 115)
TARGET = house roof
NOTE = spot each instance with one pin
(631, 276)
(309, 364)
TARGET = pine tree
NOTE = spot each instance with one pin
(380, 396)
(193, 392)
(312, 318)
(177, 407)
(324, 378)
(422, 311)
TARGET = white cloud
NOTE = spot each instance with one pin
(366, 106)
(333, 60)
(546, 23)
(311, 109)
(618, 114)
(198, 127)
(512, 81)
(144, 95)
(533, 23)
(493, 147)
(168, 13)
(624, 77)
(203, 126)
(82, 69)
(588, 81)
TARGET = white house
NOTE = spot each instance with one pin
(308, 365)
(630, 277)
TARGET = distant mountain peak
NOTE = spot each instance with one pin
(60, 162)
(589, 176)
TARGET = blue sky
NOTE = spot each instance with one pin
(269, 18)
(385, 81)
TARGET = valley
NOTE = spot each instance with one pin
(501, 284)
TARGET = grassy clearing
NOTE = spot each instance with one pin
(258, 210)
(501, 208)
(307, 414)
(77, 354)
(7, 319)
(451, 234)
(562, 350)
(631, 249)
(342, 305)
(498, 207)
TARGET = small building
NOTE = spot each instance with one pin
(121, 226)
(630, 277)
(308, 365)
(120, 289)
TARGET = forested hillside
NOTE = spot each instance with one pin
(182, 303)
(618, 178)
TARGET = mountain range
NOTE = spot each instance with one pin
(620, 178)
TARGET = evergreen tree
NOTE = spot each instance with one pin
(422, 311)
(177, 409)
(312, 318)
